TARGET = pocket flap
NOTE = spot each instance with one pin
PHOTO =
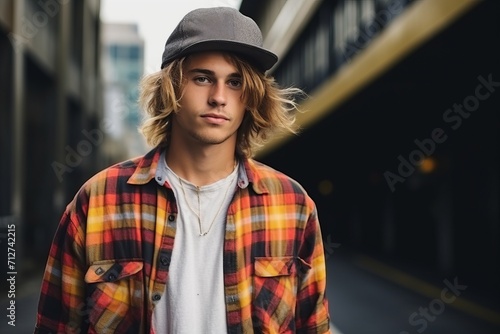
(273, 266)
(112, 270)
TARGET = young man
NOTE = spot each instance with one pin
(195, 236)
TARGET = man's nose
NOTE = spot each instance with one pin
(218, 94)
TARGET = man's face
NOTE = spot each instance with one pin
(211, 105)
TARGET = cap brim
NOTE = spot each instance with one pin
(259, 57)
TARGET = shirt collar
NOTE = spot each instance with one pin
(152, 165)
(146, 167)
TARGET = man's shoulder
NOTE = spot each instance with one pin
(271, 178)
(120, 169)
(115, 176)
(262, 169)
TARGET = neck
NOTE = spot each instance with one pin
(200, 168)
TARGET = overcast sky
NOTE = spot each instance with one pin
(156, 20)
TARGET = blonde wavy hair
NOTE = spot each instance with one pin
(270, 109)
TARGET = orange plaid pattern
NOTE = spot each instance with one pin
(108, 263)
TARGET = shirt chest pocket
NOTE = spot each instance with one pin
(274, 294)
(115, 295)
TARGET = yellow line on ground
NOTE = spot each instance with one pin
(417, 285)
(334, 329)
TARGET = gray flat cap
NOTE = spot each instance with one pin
(218, 29)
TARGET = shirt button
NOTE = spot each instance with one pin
(111, 277)
(171, 218)
(156, 297)
(164, 261)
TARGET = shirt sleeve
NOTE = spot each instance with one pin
(61, 307)
(312, 315)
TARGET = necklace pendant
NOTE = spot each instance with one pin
(198, 214)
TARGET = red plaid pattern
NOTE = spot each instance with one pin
(108, 263)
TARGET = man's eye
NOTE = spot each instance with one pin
(235, 83)
(201, 79)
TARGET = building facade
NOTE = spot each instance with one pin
(123, 68)
(50, 114)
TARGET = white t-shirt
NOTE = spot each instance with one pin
(194, 298)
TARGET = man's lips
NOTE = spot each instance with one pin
(215, 118)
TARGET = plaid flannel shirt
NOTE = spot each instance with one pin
(109, 260)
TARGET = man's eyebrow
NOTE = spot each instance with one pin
(212, 73)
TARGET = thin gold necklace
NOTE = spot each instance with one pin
(198, 214)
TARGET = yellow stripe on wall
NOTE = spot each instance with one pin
(417, 24)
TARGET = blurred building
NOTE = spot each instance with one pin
(399, 144)
(122, 68)
(50, 116)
